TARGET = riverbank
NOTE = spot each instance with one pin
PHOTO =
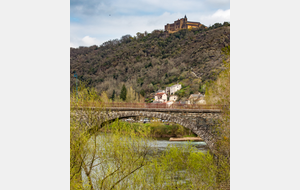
(186, 139)
(158, 129)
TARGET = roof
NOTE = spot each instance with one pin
(160, 94)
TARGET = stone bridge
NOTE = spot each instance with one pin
(199, 121)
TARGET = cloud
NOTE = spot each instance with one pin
(97, 21)
(89, 41)
(219, 16)
(85, 41)
(90, 7)
(221, 4)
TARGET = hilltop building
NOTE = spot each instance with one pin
(183, 23)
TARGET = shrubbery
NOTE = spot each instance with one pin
(157, 58)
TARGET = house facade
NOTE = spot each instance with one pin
(173, 98)
(171, 90)
(160, 96)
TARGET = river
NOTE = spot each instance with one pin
(159, 145)
(162, 143)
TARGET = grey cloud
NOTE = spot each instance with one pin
(219, 4)
(90, 7)
(142, 7)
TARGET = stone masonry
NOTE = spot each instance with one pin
(198, 121)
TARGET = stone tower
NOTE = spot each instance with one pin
(185, 22)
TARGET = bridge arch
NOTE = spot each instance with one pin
(199, 126)
(199, 121)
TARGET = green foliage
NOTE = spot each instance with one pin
(219, 93)
(79, 133)
(142, 92)
(113, 95)
(202, 88)
(181, 168)
(102, 161)
(121, 159)
(177, 167)
(156, 57)
(123, 93)
(157, 129)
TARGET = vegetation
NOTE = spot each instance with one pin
(124, 159)
(100, 161)
(123, 93)
(219, 93)
(151, 61)
(157, 129)
(113, 95)
(132, 67)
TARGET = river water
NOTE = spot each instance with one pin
(162, 143)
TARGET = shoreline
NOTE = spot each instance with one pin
(186, 139)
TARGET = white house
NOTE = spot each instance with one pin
(173, 98)
(171, 90)
(162, 97)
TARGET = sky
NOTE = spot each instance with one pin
(94, 22)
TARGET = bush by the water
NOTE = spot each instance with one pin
(158, 129)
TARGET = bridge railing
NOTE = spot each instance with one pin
(151, 105)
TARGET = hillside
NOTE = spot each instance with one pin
(152, 61)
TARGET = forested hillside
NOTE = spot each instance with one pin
(151, 61)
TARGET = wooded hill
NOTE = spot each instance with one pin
(152, 61)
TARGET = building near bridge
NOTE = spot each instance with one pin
(182, 23)
(161, 97)
(173, 98)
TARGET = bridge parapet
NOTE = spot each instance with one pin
(151, 105)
